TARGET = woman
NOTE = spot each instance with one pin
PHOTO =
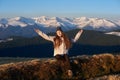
(61, 46)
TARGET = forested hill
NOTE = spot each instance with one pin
(89, 43)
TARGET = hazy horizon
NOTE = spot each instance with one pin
(108, 9)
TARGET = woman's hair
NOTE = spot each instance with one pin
(58, 41)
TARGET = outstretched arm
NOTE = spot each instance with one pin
(43, 35)
(77, 36)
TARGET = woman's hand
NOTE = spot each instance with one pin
(81, 31)
(36, 30)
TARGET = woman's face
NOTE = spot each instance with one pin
(59, 33)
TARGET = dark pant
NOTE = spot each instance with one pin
(63, 61)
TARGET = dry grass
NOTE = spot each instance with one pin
(83, 68)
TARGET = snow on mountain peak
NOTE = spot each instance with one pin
(114, 33)
(3, 21)
(17, 18)
(94, 23)
(20, 21)
(81, 22)
(47, 21)
(118, 22)
(84, 19)
(44, 18)
(101, 22)
(20, 25)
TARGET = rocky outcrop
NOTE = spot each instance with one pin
(103, 66)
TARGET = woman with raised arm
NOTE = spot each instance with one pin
(61, 46)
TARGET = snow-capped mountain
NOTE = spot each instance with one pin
(17, 21)
(118, 22)
(95, 24)
(114, 33)
(6, 40)
(22, 26)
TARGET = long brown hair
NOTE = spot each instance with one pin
(58, 41)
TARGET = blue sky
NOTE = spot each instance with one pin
(63, 8)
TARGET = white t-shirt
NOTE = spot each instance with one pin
(61, 50)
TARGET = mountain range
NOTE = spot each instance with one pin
(22, 26)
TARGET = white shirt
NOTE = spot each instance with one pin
(61, 50)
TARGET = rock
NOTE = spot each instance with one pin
(84, 68)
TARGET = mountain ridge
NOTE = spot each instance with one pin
(58, 21)
(90, 42)
(22, 26)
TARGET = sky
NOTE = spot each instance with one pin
(109, 9)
